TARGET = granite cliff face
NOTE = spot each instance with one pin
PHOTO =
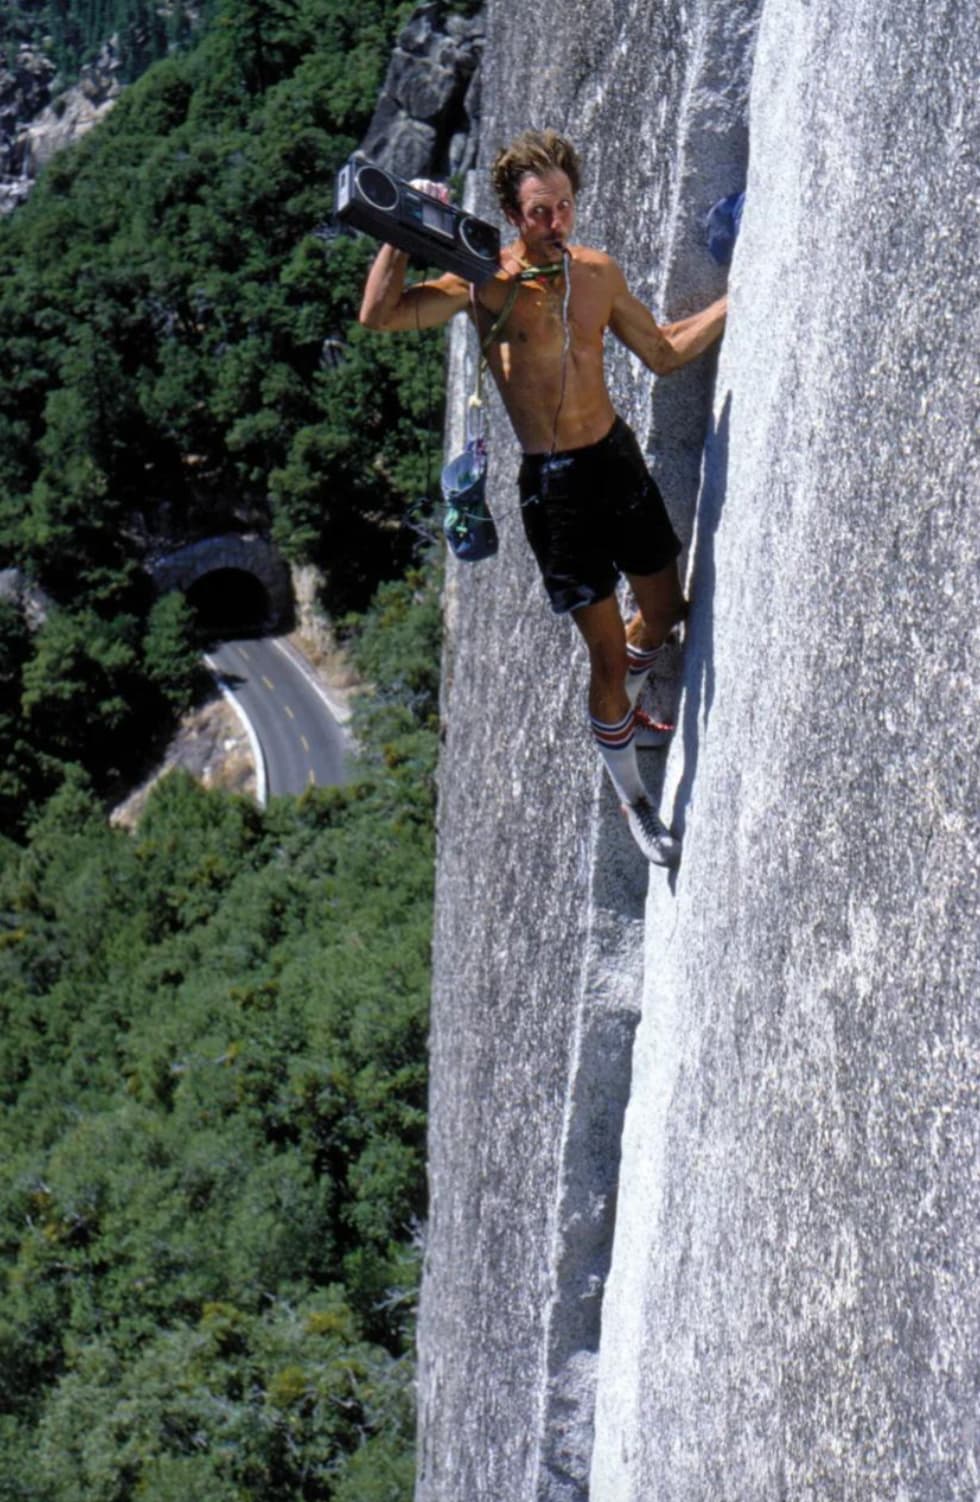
(764, 1284)
(424, 123)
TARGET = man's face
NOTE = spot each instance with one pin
(546, 214)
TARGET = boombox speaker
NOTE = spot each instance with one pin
(371, 199)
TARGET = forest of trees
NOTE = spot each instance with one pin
(165, 296)
(212, 1089)
(212, 1096)
(72, 32)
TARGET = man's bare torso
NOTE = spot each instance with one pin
(550, 376)
(555, 398)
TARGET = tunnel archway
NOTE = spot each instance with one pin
(229, 602)
(236, 583)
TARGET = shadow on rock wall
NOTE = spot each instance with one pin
(699, 666)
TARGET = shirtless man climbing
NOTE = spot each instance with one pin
(591, 511)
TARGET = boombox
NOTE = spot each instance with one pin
(371, 199)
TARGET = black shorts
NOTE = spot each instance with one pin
(591, 514)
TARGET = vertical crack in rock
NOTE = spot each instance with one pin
(584, 1212)
(537, 980)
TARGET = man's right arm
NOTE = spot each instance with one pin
(388, 305)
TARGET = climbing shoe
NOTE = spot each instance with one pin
(654, 838)
(649, 733)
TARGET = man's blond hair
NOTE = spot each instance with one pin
(537, 152)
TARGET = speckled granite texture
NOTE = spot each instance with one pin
(790, 1310)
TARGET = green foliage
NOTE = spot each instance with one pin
(393, 644)
(212, 1057)
(19, 768)
(170, 651)
(212, 1094)
(165, 299)
(165, 294)
(73, 31)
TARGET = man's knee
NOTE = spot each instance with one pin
(661, 606)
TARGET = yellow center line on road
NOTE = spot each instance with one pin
(289, 711)
(306, 744)
(268, 683)
(311, 777)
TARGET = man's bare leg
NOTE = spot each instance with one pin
(612, 720)
(604, 634)
(661, 605)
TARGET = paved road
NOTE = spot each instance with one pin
(302, 743)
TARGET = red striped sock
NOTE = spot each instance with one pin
(615, 742)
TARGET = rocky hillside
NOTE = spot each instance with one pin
(763, 1284)
(35, 122)
(63, 66)
(424, 122)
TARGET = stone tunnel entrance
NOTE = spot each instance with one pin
(237, 584)
(229, 602)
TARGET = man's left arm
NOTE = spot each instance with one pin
(663, 347)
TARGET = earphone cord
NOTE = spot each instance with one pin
(566, 347)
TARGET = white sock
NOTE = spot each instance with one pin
(639, 662)
(616, 746)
